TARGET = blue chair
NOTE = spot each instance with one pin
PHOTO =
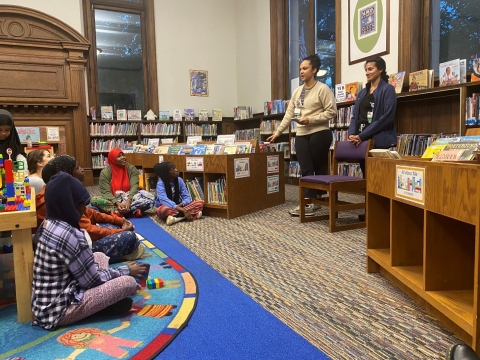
(344, 151)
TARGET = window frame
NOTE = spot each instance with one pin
(146, 11)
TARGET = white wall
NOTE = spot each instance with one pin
(69, 11)
(198, 35)
(356, 72)
(252, 22)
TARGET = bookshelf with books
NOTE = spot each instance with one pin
(426, 241)
(219, 172)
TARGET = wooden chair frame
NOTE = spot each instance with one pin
(335, 206)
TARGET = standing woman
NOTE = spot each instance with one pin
(36, 160)
(313, 104)
(9, 139)
(173, 199)
(119, 188)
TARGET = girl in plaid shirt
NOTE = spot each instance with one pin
(70, 282)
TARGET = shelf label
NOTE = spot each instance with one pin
(273, 164)
(242, 167)
(273, 184)
(410, 183)
(194, 163)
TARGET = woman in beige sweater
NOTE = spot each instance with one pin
(312, 106)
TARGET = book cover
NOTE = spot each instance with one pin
(177, 115)
(199, 149)
(419, 80)
(351, 90)
(153, 142)
(475, 67)
(185, 150)
(217, 114)
(135, 115)
(396, 80)
(230, 149)
(463, 71)
(106, 112)
(449, 72)
(210, 150)
(449, 155)
(340, 93)
(174, 149)
(218, 149)
(164, 115)
(189, 114)
(162, 149)
(203, 115)
(121, 115)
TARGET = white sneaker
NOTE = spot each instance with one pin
(309, 210)
(199, 215)
(172, 219)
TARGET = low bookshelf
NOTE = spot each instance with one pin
(424, 236)
(262, 189)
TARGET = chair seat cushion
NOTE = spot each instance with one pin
(327, 179)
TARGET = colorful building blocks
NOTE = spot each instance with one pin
(14, 187)
(155, 283)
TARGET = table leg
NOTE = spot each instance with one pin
(23, 267)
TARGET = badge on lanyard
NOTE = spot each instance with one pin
(296, 112)
(369, 116)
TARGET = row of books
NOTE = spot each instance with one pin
(99, 161)
(274, 107)
(349, 169)
(195, 188)
(269, 126)
(217, 191)
(204, 129)
(112, 129)
(189, 115)
(160, 129)
(464, 149)
(294, 169)
(248, 134)
(416, 144)
(343, 118)
(242, 112)
(100, 145)
(472, 115)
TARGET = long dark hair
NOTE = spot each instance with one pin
(380, 65)
(162, 170)
(314, 61)
(13, 140)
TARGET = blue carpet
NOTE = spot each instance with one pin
(227, 323)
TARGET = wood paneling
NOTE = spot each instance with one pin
(279, 48)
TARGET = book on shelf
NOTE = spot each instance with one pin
(294, 169)
(420, 80)
(193, 139)
(352, 89)
(199, 149)
(385, 153)
(121, 115)
(449, 73)
(185, 149)
(203, 115)
(135, 115)
(106, 112)
(217, 115)
(472, 116)
(189, 114)
(168, 141)
(174, 149)
(218, 149)
(340, 93)
(226, 139)
(164, 115)
(449, 155)
(267, 108)
(396, 80)
(153, 142)
(475, 69)
(161, 149)
(177, 115)
(210, 150)
(463, 71)
(230, 149)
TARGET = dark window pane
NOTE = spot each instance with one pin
(455, 30)
(299, 39)
(325, 38)
(119, 59)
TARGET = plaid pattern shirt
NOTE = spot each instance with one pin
(63, 269)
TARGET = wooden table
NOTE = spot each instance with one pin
(21, 224)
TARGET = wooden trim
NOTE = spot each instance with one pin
(279, 48)
(151, 58)
(311, 48)
(338, 41)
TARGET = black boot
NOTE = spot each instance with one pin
(461, 352)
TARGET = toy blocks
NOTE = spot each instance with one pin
(14, 187)
(155, 283)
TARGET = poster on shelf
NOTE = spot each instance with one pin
(26, 133)
(242, 168)
(410, 184)
(194, 163)
(273, 164)
(273, 184)
(53, 134)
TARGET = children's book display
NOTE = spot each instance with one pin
(106, 112)
(121, 115)
(450, 72)
(217, 115)
(164, 115)
(203, 115)
(177, 115)
(396, 80)
(14, 186)
(475, 69)
(189, 114)
(352, 89)
(134, 115)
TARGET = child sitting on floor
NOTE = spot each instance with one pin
(70, 282)
(173, 199)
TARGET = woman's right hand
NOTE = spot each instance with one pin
(271, 138)
(137, 270)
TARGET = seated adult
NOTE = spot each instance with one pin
(36, 160)
(119, 188)
(173, 199)
(111, 235)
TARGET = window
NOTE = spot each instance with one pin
(455, 30)
(325, 38)
(122, 64)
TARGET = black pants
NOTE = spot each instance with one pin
(312, 155)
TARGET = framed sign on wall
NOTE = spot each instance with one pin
(368, 29)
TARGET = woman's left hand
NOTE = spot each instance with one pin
(304, 121)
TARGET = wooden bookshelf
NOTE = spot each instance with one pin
(244, 195)
(429, 251)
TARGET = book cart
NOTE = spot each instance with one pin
(430, 250)
(245, 195)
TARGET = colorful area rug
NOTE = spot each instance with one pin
(158, 316)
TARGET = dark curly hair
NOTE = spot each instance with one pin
(314, 61)
(380, 65)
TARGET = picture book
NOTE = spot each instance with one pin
(106, 112)
(467, 145)
(340, 93)
(185, 149)
(352, 89)
(153, 142)
(174, 149)
(420, 80)
(199, 149)
(226, 139)
(203, 115)
(432, 151)
(217, 114)
(189, 114)
(177, 115)
(449, 73)
(164, 115)
(210, 150)
(193, 140)
(135, 115)
(162, 149)
(449, 155)
(230, 149)
(463, 71)
(218, 149)
(121, 115)
(475, 69)
(385, 153)
(267, 108)
(396, 80)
